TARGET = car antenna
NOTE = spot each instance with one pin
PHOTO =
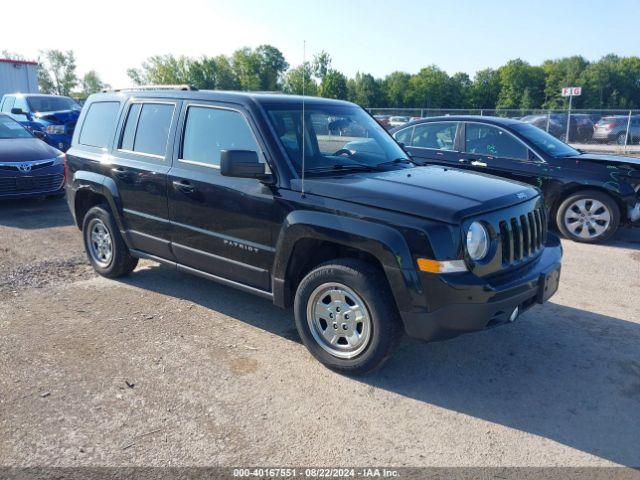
(304, 81)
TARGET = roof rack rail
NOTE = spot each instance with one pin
(145, 88)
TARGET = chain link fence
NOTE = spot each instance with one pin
(613, 131)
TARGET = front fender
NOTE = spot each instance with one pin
(386, 244)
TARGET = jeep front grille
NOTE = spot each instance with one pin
(522, 236)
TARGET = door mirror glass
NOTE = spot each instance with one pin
(242, 164)
(38, 134)
(17, 111)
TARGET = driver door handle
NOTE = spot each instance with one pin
(184, 186)
(464, 161)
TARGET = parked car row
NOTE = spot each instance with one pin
(584, 127)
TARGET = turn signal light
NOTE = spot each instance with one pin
(441, 266)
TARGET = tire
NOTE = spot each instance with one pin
(104, 245)
(364, 290)
(620, 139)
(588, 216)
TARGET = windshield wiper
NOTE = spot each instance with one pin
(397, 161)
(346, 166)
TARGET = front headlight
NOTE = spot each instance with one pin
(55, 129)
(477, 241)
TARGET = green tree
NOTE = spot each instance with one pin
(460, 91)
(395, 87)
(516, 76)
(259, 69)
(564, 72)
(213, 73)
(364, 90)
(295, 77)
(485, 89)
(333, 85)
(57, 72)
(91, 83)
(162, 70)
(429, 88)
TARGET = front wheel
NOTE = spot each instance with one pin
(105, 247)
(588, 217)
(346, 316)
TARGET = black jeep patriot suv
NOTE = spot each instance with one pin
(310, 203)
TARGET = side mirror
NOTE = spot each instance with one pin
(39, 134)
(242, 164)
(17, 111)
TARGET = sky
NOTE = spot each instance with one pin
(371, 36)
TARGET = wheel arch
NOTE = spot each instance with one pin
(91, 189)
(308, 239)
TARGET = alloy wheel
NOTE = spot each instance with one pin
(587, 218)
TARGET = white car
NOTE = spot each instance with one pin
(398, 121)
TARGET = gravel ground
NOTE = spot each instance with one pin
(162, 368)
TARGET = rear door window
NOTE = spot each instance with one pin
(99, 124)
(147, 128)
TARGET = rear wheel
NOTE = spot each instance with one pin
(588, 217)
(346, 316)
(621, 138)
(104, 245)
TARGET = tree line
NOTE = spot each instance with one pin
(608, 83)
(611, 82)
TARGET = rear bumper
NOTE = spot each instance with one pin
(476, 304)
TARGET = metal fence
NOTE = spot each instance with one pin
(595, 130)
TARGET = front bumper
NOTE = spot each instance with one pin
(60, 141)
(468, 303)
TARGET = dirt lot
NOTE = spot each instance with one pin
(167, 369)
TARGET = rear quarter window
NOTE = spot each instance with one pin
(99, 124)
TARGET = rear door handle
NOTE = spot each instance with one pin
(464, 161)
(120, 172)
(184, 186)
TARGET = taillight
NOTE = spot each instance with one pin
(66, 166)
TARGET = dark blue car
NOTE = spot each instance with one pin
(28, 166)
(54, 115)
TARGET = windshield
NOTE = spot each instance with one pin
(9, 128)
(545, 142)
(335, 135)
(52, 104)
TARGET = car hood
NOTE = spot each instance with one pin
(439, 193)
(617, 160)
(62, 117)
(25, 150)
